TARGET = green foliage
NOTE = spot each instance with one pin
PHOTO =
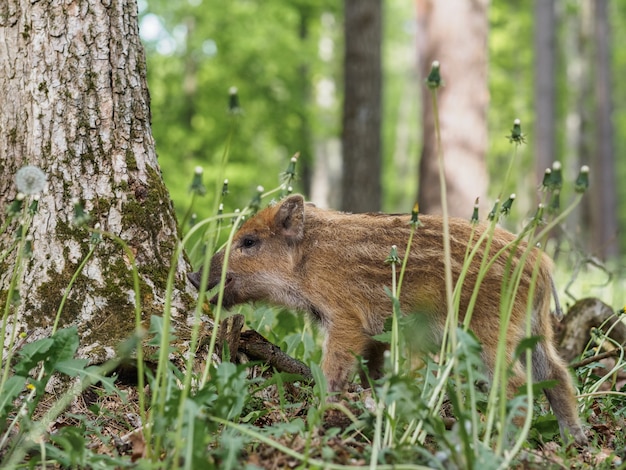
(510, 84)
(21, 394)
(292, 333)
(268, 51)
(277, 55)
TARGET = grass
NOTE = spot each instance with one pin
(205, 413)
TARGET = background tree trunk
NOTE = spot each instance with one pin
(454, 32)
(545, 57)
(75, 104)
(603, 194)
(578, 79)
(361, 140)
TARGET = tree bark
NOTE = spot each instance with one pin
(545, 58)
(578, 121)
(603, 194)
(361, 139)
(454, 32)
(76, 104)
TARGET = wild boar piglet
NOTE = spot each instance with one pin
(331, 265)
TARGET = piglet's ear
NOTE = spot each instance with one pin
(289, 218)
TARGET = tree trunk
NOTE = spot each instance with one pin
(454, 32)
(76, 105)
(578, 119)
(545, 58)
(361, 140)
(574, 332)
(603, 193)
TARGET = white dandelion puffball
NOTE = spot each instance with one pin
(30, 180)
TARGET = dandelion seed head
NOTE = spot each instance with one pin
(198, 170)
(584, 169)
(260, 189)
(517, 122)
(30, 180)
(556, 166)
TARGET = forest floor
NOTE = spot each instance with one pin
(282, 425)
(117, 432)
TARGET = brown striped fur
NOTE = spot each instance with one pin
(331, 265)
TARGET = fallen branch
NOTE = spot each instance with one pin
(595, 358)
(256, 346)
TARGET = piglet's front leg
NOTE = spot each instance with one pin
(341, 347)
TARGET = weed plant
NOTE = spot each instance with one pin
(218, 414)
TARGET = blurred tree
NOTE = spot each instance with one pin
(603, 207)
(581, 73)
(544, 138)
(617, 16)
(76, 106)
(361, 138)
(454, 32)
(590, 138)
(575, 92)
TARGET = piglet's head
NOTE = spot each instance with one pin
(262, 256)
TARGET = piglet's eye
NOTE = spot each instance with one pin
(248, 242)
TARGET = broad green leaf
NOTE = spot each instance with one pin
(65, 344)
(12, 388)
(31, 354)
(71, 367)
